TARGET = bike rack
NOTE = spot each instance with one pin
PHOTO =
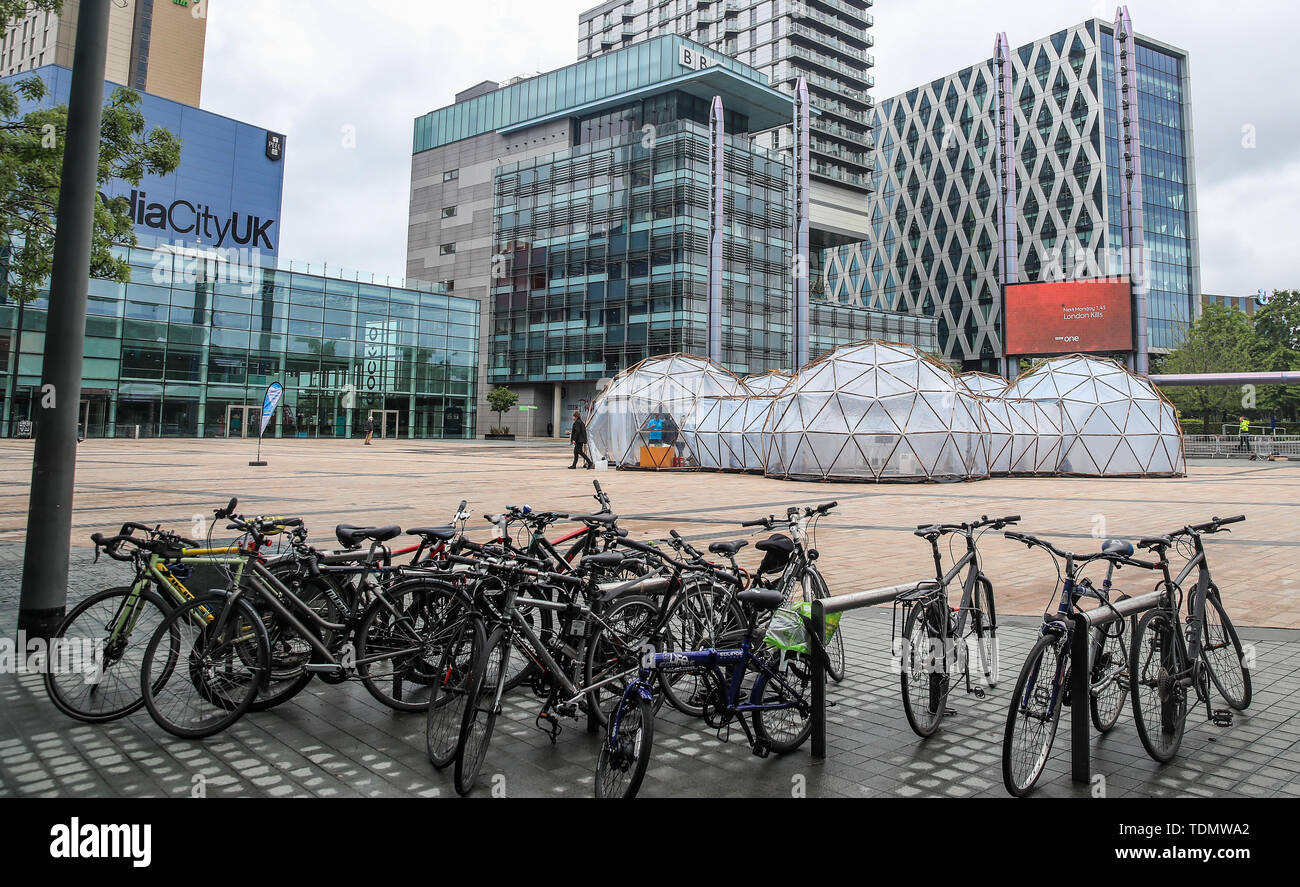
(815, 626)
(1080, 733)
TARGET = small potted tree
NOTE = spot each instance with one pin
(501, 400)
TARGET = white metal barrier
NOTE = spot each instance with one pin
(1232, 446)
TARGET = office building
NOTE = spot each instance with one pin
(827, 42)
(154, 46)
(937, 236)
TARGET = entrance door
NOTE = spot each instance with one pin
(241, 421)
(386, 422)
(94, 417)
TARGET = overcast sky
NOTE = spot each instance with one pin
(344, 81)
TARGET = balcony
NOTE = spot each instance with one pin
(834, 87)
(841, 27)
(857, 137)
(863, 18)
(820, 38)
(833, 65)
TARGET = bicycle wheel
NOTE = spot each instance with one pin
(697, 620)
(93, 670)
(1033, 715)
(1221, 650)
(290, 651)
(460, 644)
(203, 666)
(984, 620)
(486, 686)
(1108, 679)
(614, 649)
(784, 729)
(814, 588)
(621, 763)
(396, 656)
(924, 668)
(1159, 697)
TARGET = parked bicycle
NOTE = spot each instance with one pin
(937, 638)
(1173, 655)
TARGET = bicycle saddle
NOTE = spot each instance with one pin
(606, 519)
(1118, 546)
(763, 600)
(439, 534)
(728, 548)
(1155, 542)
(350, 536)
(777, 542)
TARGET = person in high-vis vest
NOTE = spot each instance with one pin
(1243, 434)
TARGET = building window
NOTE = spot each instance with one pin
(447, 249)
(451, 175)
(449, 284)
(448, 211)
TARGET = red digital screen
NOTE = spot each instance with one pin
(1068, 316)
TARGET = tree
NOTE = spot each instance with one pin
(501, 400)
(31, 168)
(1220, 341)
(1277, 348)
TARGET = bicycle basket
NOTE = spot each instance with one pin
(786, 629)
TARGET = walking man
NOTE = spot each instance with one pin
(578, 434)
(370, 428)
(1243, 434)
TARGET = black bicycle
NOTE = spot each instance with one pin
(1171, 656)
(937, 639)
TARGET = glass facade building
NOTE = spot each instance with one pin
(934, 250)
(188, 346)
(606, 249)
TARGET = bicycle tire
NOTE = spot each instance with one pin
(465, 639)
(930, 685)
(291, 653)
(485, 687)
(785, 729)
(1159, 699)
(695, 622)
(82, 628)
(1110, 669)
(1223, 655)
(835, 646)
(399, 626)
(224, 670)
(635, 719)
(1042, 707)
(985, 623)
(614, 647)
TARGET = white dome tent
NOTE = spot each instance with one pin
(876, 411)
(769, 383)
(656, 407)
(1113, 422)
(984, 384)
(743, 438)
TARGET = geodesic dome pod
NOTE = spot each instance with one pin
(768, 383)
(1114, 423)
(655, 403)
(999, 436)
(876, 411)
(984, 384)
(703, 426)
(742, 437)
(1035, 435)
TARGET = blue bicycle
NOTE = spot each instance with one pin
(779, 704)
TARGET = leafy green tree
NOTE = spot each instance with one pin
(31, 169)
(1277, 348)
(501, 400)
(1221, 341)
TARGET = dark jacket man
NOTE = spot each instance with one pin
(578, 434)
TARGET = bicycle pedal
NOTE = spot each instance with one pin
(548, 724)
(949, 712)
(761, 750)
(1221, 717)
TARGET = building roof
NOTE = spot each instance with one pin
(647, 68)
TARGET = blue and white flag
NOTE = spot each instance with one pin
(274, 392)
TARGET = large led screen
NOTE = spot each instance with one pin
(1068, 316)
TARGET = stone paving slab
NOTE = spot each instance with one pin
(337, 741)
(866, 543)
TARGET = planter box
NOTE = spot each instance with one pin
(499, 436)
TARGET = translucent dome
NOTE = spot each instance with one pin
(984, 384)
(661, 402)
(1113, 423)
(876, 411)
(767, 383)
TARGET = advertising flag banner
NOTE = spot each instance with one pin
(274, 392)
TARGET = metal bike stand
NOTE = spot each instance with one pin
(1080, 648)
(815, 627)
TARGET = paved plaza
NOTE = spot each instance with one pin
(337, 741)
